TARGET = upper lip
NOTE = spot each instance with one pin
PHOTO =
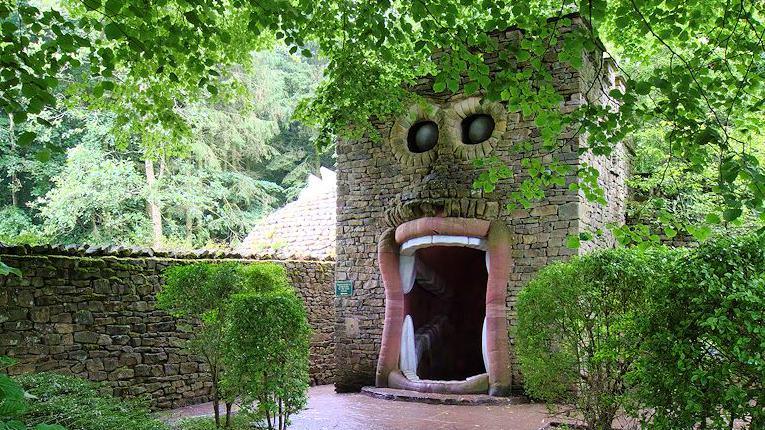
(464, 207)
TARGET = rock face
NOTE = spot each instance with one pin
(92, 314)
(383, 184)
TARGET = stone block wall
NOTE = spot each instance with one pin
(92, 315)
(381, 185)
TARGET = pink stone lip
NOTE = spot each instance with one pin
(498, 239)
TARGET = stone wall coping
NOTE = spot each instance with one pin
(142, 252)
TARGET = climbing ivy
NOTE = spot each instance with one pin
(695, 67)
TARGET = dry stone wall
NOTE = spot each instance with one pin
(381, 186)
(91, 315)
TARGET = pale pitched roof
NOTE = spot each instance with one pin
(303, 228)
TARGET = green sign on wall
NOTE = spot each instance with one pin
(343, 288)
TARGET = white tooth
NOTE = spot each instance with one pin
(451, 240)
(484, 351)
(406, 270)
(476, 242)
(411, 245)
(408, 356)
(488, 262)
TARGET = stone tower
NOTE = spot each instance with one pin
(436, 265)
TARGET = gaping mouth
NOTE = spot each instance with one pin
(445, 321)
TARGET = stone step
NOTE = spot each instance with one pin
(442, 399)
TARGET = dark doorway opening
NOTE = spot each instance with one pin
(447, 305)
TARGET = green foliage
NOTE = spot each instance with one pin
(674, 337)
(268, 341)
(244, 156)
(97, 196)
(238, 422)
(200, 291)
(695, 72)
(14, 404)
(575, 335)
(214, 294)
(77, 404)
(702, 354)
(17, 227)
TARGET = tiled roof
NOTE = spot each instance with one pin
(303, 228)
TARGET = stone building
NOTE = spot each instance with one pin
(434, 264)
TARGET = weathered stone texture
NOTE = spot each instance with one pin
(379, 188)
(95, 317)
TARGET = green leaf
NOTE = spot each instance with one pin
(92, 4)
(43, 155)
(26, 138)
(670, 232)
(712, 219)
(573, 241)
(731, 214)
(112, 31)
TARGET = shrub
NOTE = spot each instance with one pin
(703, 357)
(576, 336)
(268, 353)
(200, 291)
(253, 334)
(78, 404)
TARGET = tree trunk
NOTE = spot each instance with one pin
(281, 416)
(14, 178)
(152, 207)
(216, 399)
(228, 414)
(189, 225)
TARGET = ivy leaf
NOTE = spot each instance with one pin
(731, 214)
(26, 138)
(573, 241)
(112, 31)
(43, 155)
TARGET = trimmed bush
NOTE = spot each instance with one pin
(575, 338)
(676, 338)
(702, 359)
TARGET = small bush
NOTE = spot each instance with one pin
(268, 353)
(576, 334)
(78, 404)
(703, 354)
(253, 335)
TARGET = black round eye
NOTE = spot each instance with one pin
(422, 136)
(477, 128)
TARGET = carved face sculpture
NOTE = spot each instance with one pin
(445, 258)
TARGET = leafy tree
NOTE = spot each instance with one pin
(96, 196)
(254, 334)
(201, 291)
